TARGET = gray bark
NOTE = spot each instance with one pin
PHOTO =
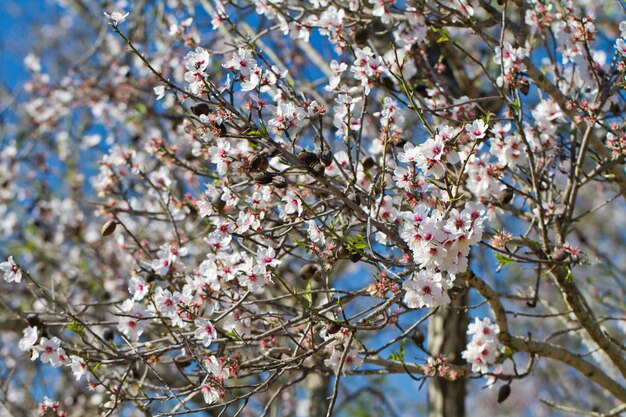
(317, 388)
(447, 337)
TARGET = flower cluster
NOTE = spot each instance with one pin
(427, 289)
(432, 156)
(49, 350)
(367, 68)
(482, 350)
(197, 62)
(443, 242)
(336, 348)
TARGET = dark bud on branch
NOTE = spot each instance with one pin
(356, 256)
(368, 163)
(332, 328)
(108, 334)
(559, 255)
(311, 271)
(108, 228)
(361, 37)
(504, 392)
(218, 203)
(279, 182)
(505, 196)
(317, 169)
(326, 158)
(259, 162)
(263, 178)
(200, 108)
(418, 337)
(524, 86)
(183, 360)
(387, 83)
(307, 157)
(273, 152)
(342, 253)
(34, 320)
(399, 143)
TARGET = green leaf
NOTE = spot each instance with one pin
(569, 275)
(503, 260)
(398, 356)
(307, 292)
(232, 334)
(357, 243)
(76, 328)
(508, 352)
(445, 37)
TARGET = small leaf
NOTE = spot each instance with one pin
(445, 37)
(76, 328)
(307, 293)
(503, 260)
(508, 352)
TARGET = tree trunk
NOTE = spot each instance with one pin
(317, 390)
(447, 337)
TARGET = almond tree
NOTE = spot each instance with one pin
(264, 207)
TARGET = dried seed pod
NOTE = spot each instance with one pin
(387, 83)
(504, 392)
(356, 256)
(310, 271)
(34, 320)
(218, 203)
(524, 86)
(259, 162)
(342, 253)
(200, 108)
(108, 334)
(332, 328)
(399, 143)
(279, 181)
(418, 337)
(108, 228)
(505, 196)
(559, 255)
(263, 178)
(317, 169)
(326, 158)
(368, 163)
(151, 278)
(361, 37)
(307, 157)
(272, 152)
(183, 360)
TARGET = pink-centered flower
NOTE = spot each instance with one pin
(12, 273)
(116, 17)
